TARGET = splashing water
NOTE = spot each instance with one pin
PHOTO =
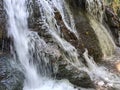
(100, 73)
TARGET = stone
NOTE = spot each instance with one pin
(76, 77)
(4, 40)
(113, 22)
(10, 78)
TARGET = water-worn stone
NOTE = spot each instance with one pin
(87, 37)
(89, 25)
(113, 21)
(76, 77)
(10, 78)
(4, 40)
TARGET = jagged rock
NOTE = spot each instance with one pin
(10, 78)
(76, 77)
(89, 26)
(113, 21)
(118, 12)
(4, 41)
(88, 38)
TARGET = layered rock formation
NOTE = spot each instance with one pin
(113, 22)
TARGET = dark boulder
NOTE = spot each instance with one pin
(113, 21)
(4, 40)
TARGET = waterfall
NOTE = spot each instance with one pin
(18, 31)
(29, 48)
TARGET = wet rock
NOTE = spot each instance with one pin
(93, 7)
(113, 21)
(89, 26)
(76, 77)
(34, 15)
(118, 12)
(66, 70)
(87, 37)
(4, 41)
(10, 78)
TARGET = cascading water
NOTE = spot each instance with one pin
(47, 10)
(29, 48)
(24, 46)
(103, 77)
(18, 31)
(66, 14)
(95, 11)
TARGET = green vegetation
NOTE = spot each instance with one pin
(115, 4)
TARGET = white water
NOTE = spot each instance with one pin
(24, 46)
(100, 74)
(18, 31)
(47, 10)
(66, 14)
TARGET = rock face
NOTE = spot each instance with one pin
(88, 39)
(2, 18)
(90, 29)
(76, 77)
(92, 36)
(4, 41)
(10, 78)
(113, 22)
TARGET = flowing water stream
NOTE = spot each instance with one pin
(29, 47)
